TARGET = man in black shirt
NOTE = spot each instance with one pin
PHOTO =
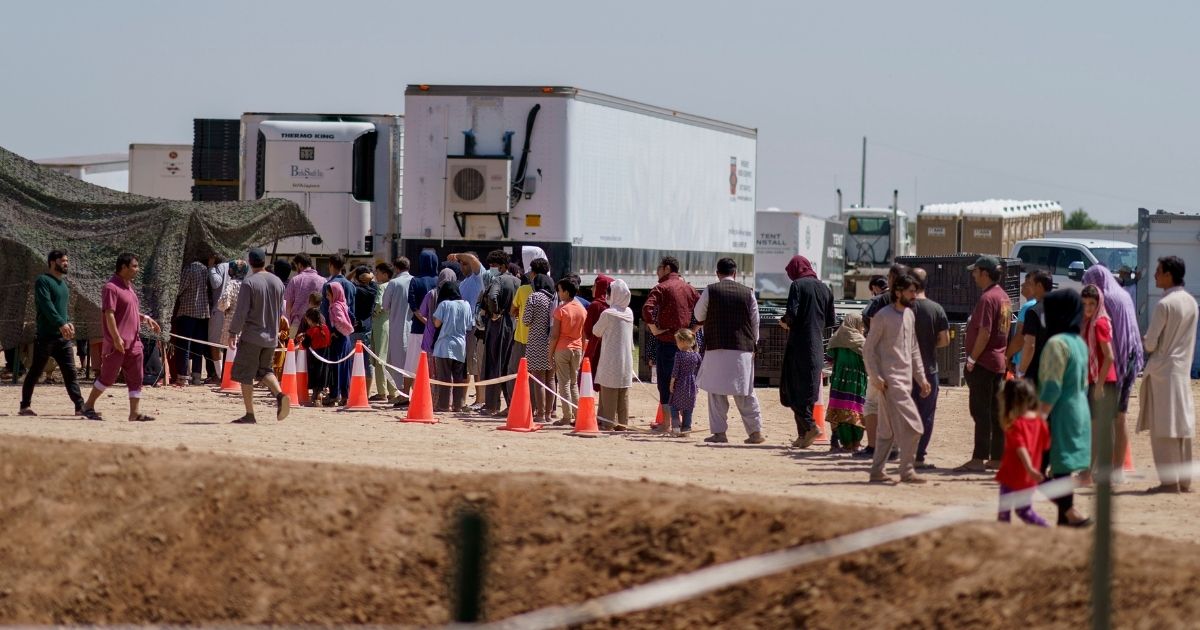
(933, 331)
(1033, 328)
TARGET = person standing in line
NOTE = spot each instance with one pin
(986, 342)
(218, 275)
(470, 288)
(194, 312)
(871, 408)
(453, 320)
(1033, 325)
(1127, 283)
(304, 283)
(363, 307)
(614, 366)
(536, 315)
(1026, 438)
(399, 314)
(315, 337)
(729, 314)
(385, 389)
(520, 328)
(421, 285)
(341, 328)
(122, 345)
(566, 338)
(256, 325)
(227, 302)
(1127, 354)
(1167, 407)
(337, 263)
(597, 307)
(933, 332)
(55, 332)
(1062, 390)
(499, 335)
(1102, 373)
(894, 367)
(683, 383)
(1017, 342)
(667, 309)
(847, 385)
(809, 313)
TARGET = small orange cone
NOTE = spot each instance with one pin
(288, 382)
(585, 418)
(520, 411)
(227, 384)
(658, 417)
(301, 374)
(420, 405)
(819, 418)
(358, 383)
(1129, 467)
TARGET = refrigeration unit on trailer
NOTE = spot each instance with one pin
(344, 171)
(781, 235)
(161, 170)
(604, 185)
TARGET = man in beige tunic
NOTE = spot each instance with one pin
(1167, 409)
(893, 362)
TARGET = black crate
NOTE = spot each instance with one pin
(216, 133)
(949, 283)
(214, 193)
(952, 358)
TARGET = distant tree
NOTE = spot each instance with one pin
(1081, 220)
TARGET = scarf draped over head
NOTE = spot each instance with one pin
(1064, 312)
(529, 254)
(618, 295)
(446, 275)
(600, 289)
(448, 291)
(453, 266)
(1127, 338)
(542, 283)
(339, 313)
(799, 267)
(849, 334)
(1089, 333)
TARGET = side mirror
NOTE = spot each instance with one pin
(1075, 270)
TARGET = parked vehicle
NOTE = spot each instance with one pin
(781, 235)
(869, 236)
(1067, 258)
(602, 184)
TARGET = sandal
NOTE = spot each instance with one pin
(90, 414)
(141, 417)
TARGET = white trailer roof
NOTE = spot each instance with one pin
(990, 207)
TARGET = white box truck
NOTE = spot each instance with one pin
(161, 170)
(602, 184)
(1166, 234)
(781, 235)
(344, 170)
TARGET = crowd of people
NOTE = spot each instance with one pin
(1039, 394)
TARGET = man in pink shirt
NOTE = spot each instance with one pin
(566, 343)
(306, 282)
(122, 347)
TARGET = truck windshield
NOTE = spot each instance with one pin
(1116, 257)
(869, 226)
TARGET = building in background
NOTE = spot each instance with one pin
(110, 170)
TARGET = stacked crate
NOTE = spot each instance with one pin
(216, 150)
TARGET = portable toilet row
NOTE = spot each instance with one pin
(991, 226)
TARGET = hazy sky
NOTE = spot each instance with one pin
(1094, 104)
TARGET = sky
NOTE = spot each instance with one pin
(1092, 104)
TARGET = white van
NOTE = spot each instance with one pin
(1067, 258)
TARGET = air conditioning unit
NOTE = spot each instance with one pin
(478, 184)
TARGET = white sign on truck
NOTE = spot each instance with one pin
(161, 170)
(781, 235)
(602, 184)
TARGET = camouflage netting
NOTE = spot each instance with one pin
(41, 210)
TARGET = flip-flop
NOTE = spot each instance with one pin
(141, 417)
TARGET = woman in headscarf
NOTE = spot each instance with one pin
(848, 385)
(421, 284)
(597, 307)
(341, 327)
(1128, 358)
(453, 319)
(227, 303)
(1062, 390)
(809, 313)
(430, 304)
(536, 317)
(614, 363)
(454, 266)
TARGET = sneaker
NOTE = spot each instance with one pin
(329, 401)
(755, 438)
(26, 411)
(992, 464)
(283, 406)
(866, 453)
(717, 438)
(247, 419)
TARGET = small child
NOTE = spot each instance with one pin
(847, 385)
(1026, 437)
(315, 336)
(683, 383)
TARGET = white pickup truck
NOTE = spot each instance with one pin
(1067, 258)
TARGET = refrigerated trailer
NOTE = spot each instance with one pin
(344, 170)
(604, 185)
(161, 170)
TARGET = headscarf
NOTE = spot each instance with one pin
(446, 275)
(453, 266)
(799, 267)
(1064, 312)
(542, 283)
(238, 270)
(282, 269)
(339, 313)
(1089, 333)
(448, 291)
(1127, 338)
(530, 253)
(618, 295)
(600, 290)
(849, 334)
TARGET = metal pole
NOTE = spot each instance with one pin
(1102, 552)
(839, 214)
(862, 182)
(895, 224)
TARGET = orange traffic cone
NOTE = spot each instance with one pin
(819, 418)
(227, 384)
(520, 411)
(420, 405)
(288, 382)
(585, 417)
(658, 418)
(358, 382)
(1129, 467)
(301, 374)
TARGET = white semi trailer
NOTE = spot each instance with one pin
(604, 185)
(161, 170)
(344, 170)
(781, 235)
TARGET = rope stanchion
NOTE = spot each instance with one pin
(492, 381)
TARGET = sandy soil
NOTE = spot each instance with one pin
(198, 419)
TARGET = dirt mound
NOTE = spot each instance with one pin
(103, 534)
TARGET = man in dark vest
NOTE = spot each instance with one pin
(729, 314)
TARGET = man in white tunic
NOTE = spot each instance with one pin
(893, 361)
(1167, 409)
(395, 307)
(729, 314)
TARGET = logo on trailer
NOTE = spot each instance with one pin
(733, 175)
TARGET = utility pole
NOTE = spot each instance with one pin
(862, 182)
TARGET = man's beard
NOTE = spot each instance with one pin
(905, 302)
(60, 268)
